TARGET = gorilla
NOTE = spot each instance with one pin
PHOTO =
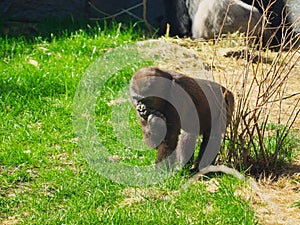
(211, 19)
(174, 109)
(181, 15)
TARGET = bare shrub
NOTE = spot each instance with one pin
(266, 104)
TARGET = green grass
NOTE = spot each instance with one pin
(44, 177)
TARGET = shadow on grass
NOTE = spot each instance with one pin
(53, 27)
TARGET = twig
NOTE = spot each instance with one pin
(118, 13)
(108, 16)
(284, 98)
(96, 9)
(132, 14)
(145, 16)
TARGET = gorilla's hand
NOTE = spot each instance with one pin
(142, 110)
(155, 130)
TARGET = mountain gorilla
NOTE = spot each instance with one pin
(180, 13)
(174, 109)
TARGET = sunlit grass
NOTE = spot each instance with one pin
(44, 178)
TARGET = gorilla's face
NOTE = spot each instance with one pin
(150, 105)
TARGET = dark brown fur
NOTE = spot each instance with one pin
(153, 110)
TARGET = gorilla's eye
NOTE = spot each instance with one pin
(148, 101)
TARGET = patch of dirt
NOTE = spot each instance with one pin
(281, 209)
(134, 195)
(10, 221)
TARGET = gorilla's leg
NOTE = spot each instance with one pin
(186, 147)
(203, 146)
(166, 150)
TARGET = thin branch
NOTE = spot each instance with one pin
(285, 98)
(145, 17)
(119, 13)
(97, 10)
